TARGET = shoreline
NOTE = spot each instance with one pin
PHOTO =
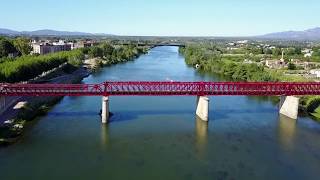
(37, 106)
(303, 111)
(223, 70)
(17, 119)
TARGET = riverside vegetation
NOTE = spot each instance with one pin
(27, 67)
(211, 58)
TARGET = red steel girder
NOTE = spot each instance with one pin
(158, 88)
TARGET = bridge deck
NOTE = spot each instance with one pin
(163, 89)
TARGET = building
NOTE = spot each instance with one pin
(231, 44)
(305, 51)
(83, 44)
(315, 72)
(60, 42)
(45, 48)
(312, 65)
(242, 42)
(275, 64)
(307, 55)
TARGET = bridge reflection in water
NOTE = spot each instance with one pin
(287, 132)
(201, 137)
(105, 139)
(286, 135)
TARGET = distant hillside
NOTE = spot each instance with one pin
(48, 32)
(8, 32)
(310, 34)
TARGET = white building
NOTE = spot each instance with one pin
(232, 44)
(60, 42)
(46, 48)
(307, 55)
(242, 42)
(315, 72)
(305, 51)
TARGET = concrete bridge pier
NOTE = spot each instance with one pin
(289, 106)
(202, 111)
(105, 110)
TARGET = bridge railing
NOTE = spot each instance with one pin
(162, 89)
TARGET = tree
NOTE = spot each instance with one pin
(267, 51)
(316, 55)
(290, 51)
(76, 57)
(291, 66)
(313, 104)
(298, 50)
(95, 52)
(107, 49)
(256, 50)
(22, 45)
(6, 47)
(276, 51)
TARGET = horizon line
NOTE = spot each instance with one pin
(127, 35)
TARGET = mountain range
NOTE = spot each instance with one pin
(309, 34)
(48, 32)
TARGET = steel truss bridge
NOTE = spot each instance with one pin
(144, 88)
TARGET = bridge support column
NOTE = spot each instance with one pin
(289, 106)
(203, 108)
(105, 110)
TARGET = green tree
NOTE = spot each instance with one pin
(76, 58)
(267, 51)
(313, 103)
(290, 51)
(6, 47)
(95, 52)
(107, 49)
(22, 45)
(276, 51)
(298, 50)
(291, 66)
(256, 50)
(316, 55)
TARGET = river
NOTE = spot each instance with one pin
(159, 137)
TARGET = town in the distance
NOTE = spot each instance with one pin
(31, 61)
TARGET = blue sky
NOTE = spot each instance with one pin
(162, 17)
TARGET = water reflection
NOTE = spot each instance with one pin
(201, 129)
(104, 135)
(287, 132)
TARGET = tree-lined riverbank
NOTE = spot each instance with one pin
(27, 67)
(208, 58)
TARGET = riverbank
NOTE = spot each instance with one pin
(13, 121)
(210, 60)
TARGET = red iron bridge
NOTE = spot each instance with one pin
(139, 88)
(201, 89)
